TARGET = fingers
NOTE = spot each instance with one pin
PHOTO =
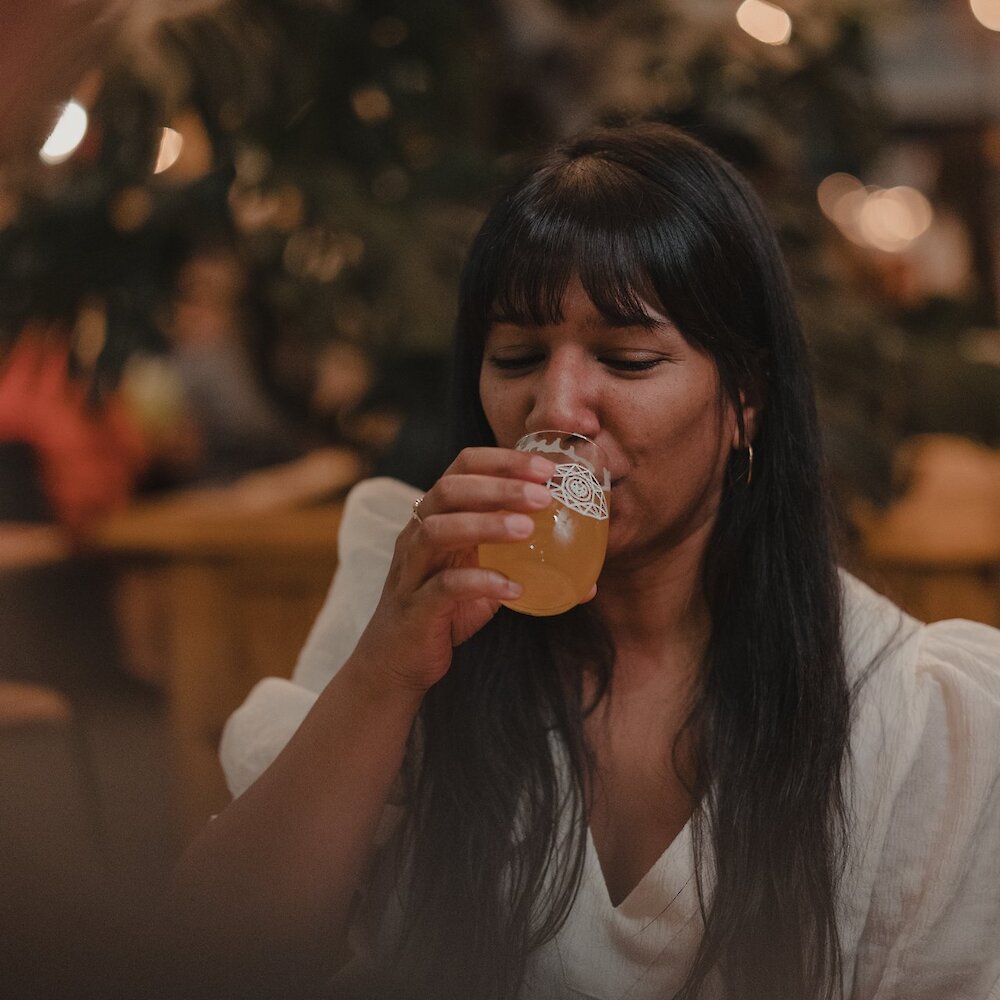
(476, 492)
(502, 462)
(485, 479)
(470, 583)
(484, 497)
(467, 508)
(455, 532)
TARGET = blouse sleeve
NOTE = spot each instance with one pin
(933, 926)
(374, 513)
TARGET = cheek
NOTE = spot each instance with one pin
(499, 405)
(682, 434)
(486, 397)
(685, 412)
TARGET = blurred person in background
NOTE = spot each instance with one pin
(87, 454)
(202, 399)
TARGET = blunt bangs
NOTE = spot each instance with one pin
(590, 218)
(645, 228)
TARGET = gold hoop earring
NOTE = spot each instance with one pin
(749, 463)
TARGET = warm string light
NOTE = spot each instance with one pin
(371, 104)
(66, 134)
(987, 13)
(764, 21)
(184, 152)
(887, 219)
(171, 144)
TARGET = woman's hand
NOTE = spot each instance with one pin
(253, 886)
(436, 595)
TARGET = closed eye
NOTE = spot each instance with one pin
(523, 362)
(515, 362)
(632, 364)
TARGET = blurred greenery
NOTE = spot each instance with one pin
(354, 145)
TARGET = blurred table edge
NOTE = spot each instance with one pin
(291, 508)
(24, 544)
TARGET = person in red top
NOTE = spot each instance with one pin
(90, 454)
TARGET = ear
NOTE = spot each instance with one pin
(750, 408)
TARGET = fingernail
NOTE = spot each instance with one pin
(537, 494)
(513, 588)
(542, 467)
(519, 525)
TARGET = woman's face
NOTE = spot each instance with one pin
(648, 397)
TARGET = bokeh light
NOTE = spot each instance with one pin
(371, 104)
(879, 218)
(987, 13)
(764, 21)
(66, 135)
(832, 189)
(171, 144)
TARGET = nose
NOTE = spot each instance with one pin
(564, 397)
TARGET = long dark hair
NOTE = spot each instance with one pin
(497, 833)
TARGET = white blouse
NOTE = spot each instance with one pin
(920, 911)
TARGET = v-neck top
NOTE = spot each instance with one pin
(919, 910)
(642, 947)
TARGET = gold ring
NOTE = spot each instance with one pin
(416, 513)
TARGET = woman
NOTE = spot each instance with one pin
(731, 773)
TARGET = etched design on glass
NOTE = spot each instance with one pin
(560, 447)
(576, 487)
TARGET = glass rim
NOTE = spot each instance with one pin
(601, 456)
(559, 433)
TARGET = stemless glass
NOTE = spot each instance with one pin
(559, 564)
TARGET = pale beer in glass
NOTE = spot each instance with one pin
(560, 562)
